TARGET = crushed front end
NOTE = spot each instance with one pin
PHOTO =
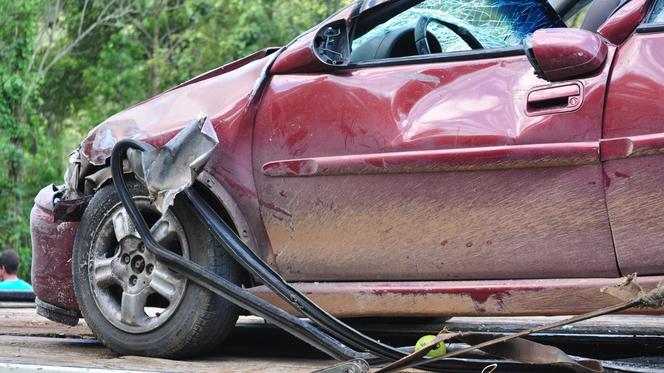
(52, 244)
(53, 222)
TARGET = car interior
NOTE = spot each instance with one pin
(403, 41)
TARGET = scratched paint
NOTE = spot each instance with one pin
(635, 201)
(51, 256)
(448, 160)
(634, 130)
(386, 202)
(460, 298)
(398, 226)
(156, 121)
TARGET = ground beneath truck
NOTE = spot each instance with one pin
(31, 343)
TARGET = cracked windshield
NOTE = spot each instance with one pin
(494, 23)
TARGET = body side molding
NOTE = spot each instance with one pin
(447, 160)
(632, 146)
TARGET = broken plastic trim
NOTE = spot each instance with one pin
(335, 345)
(341, 331)
(212, 281)
(172, 168)
(257, 267)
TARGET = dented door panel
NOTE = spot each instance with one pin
(431, 171)
(633, 146)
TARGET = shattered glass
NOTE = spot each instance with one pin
(494, 23)
(657, 15)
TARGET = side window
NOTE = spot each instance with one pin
(657, 15)
(445, 39)
(457, 25)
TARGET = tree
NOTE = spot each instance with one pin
(17, 32)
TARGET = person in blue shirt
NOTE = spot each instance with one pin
(9, 281)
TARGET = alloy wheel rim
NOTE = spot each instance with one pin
(135, 291)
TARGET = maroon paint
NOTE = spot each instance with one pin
(156, 121)
(494, 220)
(448, 160)
(633, 146)
(635, 200)
(51, 253)
(556, 98)
(390, 226)
(461, 298)
(634, 129)
(564, 54)
(633, 105)
(622, 23)
(554, 93)
(300, 56)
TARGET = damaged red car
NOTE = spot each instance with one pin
(403, 158)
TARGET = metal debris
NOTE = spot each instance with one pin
(172, 168)
(529, 352)
(626, 290)
(515, 348)
(70, 209)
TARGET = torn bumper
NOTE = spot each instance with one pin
(52, 244)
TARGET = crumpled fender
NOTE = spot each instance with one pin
(227, 99)
(222, 94)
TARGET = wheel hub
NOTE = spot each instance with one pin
(138, 264)
(134, 290)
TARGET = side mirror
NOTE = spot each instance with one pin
(332, 44)
(564, 53)
(323, 50)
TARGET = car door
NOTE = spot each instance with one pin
(633, 145)
(460, 164)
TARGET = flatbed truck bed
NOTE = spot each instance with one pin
(31, 343)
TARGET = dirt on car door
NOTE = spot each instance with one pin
(446, 166)
(633, 145)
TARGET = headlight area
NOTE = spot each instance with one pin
(81, 181)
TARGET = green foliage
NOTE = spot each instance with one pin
(18, 122)
(66, 65)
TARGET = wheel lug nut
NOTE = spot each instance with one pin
(126, 259)
(132, 280)
(141, 247)
(149, 269)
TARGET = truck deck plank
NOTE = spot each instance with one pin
(30, 340)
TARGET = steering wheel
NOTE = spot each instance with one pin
(422, 44)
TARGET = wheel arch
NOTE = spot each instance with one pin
(228, 210)
(214, 193)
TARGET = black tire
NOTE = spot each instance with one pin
(199, 321)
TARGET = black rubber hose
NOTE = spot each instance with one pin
(209, 280)
(335, 327)
(257, 267)
(217, 284)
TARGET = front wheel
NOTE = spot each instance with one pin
(134, 303)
